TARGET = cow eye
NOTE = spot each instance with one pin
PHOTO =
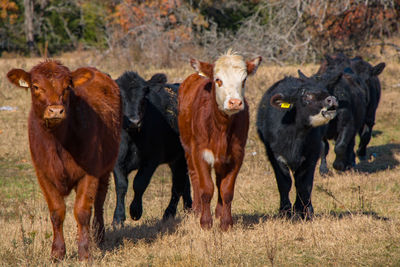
(219, 82)
(244, 82)
(35, 87)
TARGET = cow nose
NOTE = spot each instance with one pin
(331, 101)
(136, 122)
(55, 112)
(235, 103)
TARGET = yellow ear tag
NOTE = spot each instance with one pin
(285, 105)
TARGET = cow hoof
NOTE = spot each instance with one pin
(57, 255)
(135, 211)
(169, 213)
(226, 224)
(187, 205)
(324, 172)
(118, 221)
(206, 224)
(304, 213)
(58, 251)
(117, 224)
(340, 166)
(285, 213)
(83, 252)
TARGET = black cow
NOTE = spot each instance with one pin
(358, 93)
(288, 120)
(369, 76)
(149, 138)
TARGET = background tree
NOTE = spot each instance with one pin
(160, 32)
(28, 5)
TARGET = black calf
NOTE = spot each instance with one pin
(149, 138)
(369, 75)
(358, 93)
(288, 120)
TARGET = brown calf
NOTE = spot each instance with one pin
(74, 134)
(213, 123)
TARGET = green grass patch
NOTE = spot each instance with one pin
(17, 180)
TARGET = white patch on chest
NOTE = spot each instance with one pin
(208, 156)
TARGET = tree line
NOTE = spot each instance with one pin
(280, 30)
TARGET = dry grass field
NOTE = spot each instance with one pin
(357, 221)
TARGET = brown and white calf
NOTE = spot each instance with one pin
(213, 123)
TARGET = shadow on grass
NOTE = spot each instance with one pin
(346, 214)
(147, 232)
(381, 158)
(249, 220)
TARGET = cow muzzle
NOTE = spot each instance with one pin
(54, 115)
(234, 105)
(331, 104)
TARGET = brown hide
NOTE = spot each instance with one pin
(203, 126)
(77, 151)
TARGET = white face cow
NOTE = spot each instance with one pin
(229, 74)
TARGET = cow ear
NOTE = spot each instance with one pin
(202, 68)
(378, 69)
(278, 101)
(81, 76)
(302, 76)
(19, 78)
(252, 65)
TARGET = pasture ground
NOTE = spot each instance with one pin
(357, 219)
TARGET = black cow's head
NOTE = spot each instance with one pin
(133, 92)
(312, 101)
(368, 73)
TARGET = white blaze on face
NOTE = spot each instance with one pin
(231, 70)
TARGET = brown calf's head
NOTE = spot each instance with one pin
(229, 74)
(50, 83)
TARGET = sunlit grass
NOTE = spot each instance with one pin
(357, 218)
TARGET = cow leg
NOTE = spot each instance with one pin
(85, 196)
(351, 156)
(187, 198)
(342, 147)
(218, 208)
(56, 205)
(194, 180)
(323, 167)
(206, 189)
(365, 137)
(98, 223)
(180, 187)
(304, 179)
(140, 183)
(284, 182)
(121, 187)
(226, 187)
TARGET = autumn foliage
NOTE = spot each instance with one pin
(162, 31)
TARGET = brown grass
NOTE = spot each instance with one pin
(357, 218)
